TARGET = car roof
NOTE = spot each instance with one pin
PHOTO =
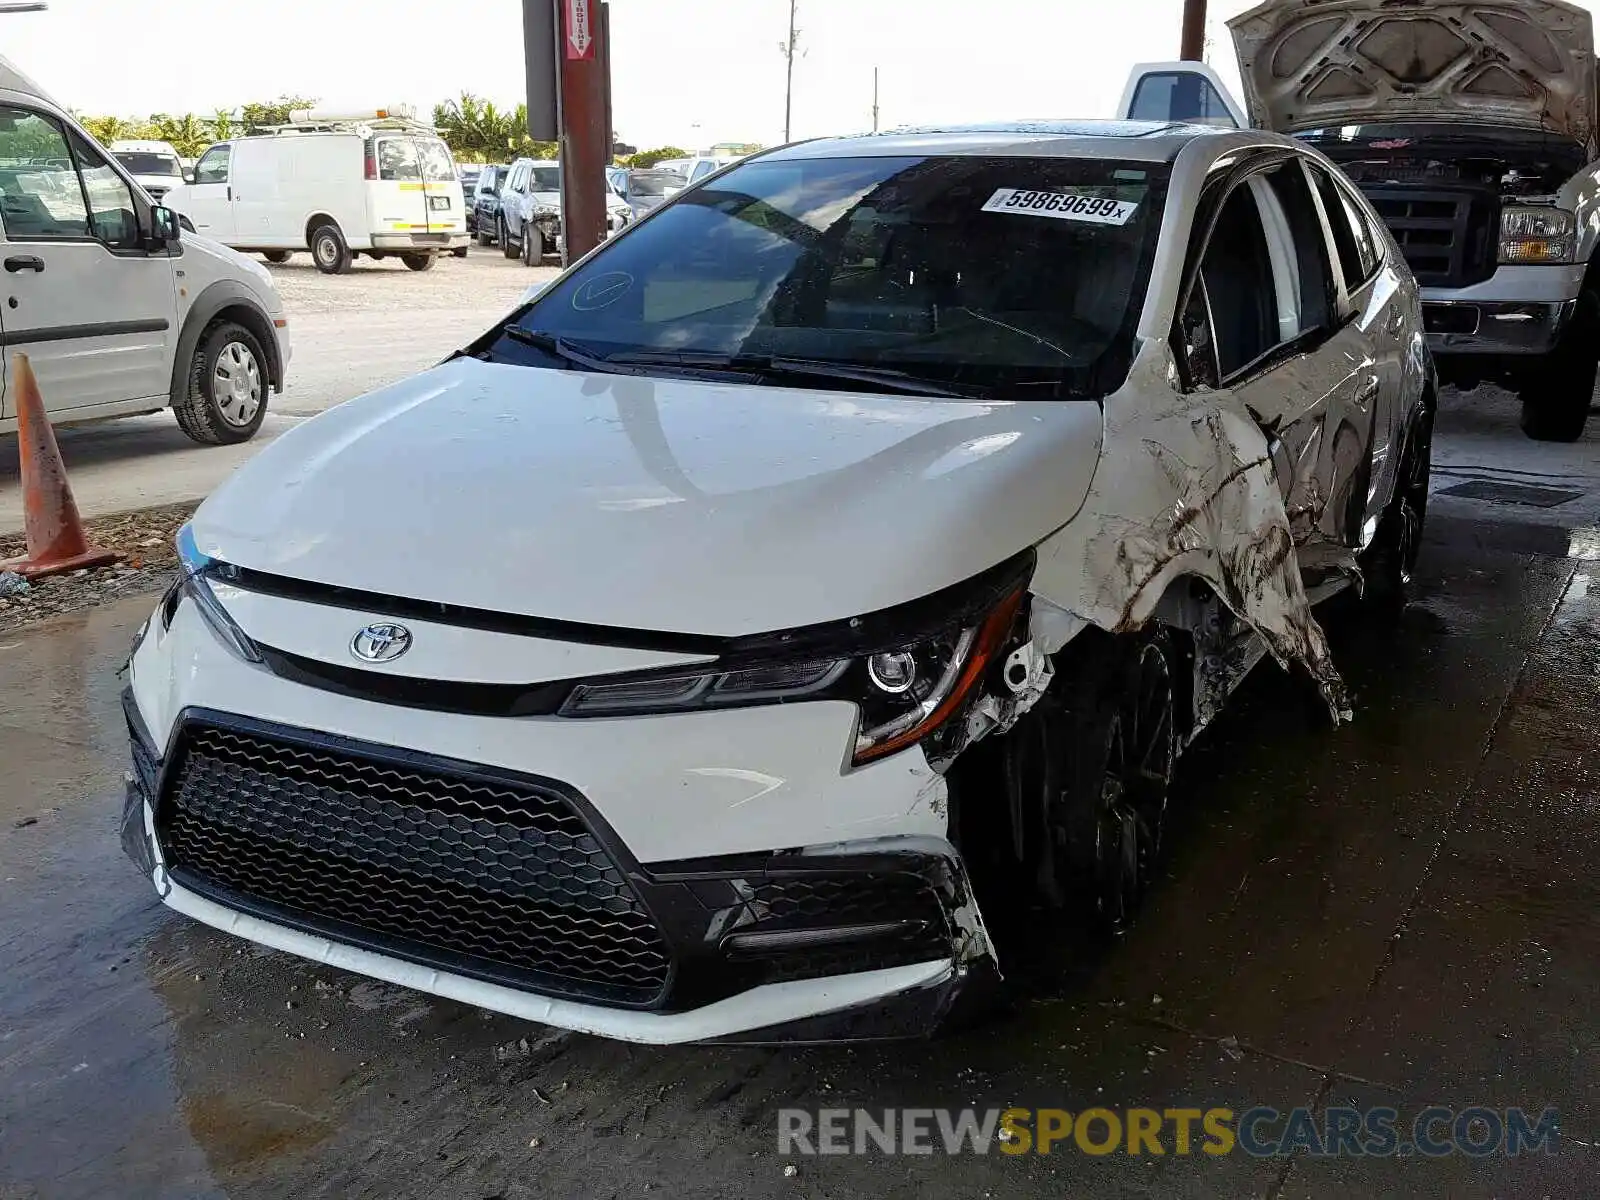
(1142, 141)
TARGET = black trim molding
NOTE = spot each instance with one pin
(69, 333)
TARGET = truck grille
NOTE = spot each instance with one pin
(1449, 238)
(500, 879)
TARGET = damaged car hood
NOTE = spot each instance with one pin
(659, 504)
(1309, 64)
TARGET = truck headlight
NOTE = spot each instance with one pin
(905, 691)
(1537, 234)
(545, 210)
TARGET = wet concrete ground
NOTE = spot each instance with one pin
(1404, 912)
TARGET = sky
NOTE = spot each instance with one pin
(684, 72)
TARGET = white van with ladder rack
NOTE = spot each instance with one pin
(336, 183)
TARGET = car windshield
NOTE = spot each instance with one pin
(141, 163)
(981, 273)
(653, 183)
(410, 158)
(545, 179)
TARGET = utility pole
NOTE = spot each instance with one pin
(788, 49)
(1194, 31)
(569, 94)
(874, 99)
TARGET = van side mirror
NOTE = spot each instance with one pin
(188, 174)
(165, 229)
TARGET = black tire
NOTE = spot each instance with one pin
(207, 412)
(532, 246)
(330, 251)
(1388, 565)
(485, 239)
(459, 251)
(507, 247)
(419, 262)
(1556, 392)
(277, 257)
(1116, 762)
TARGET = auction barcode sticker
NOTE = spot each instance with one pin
(1064, 206)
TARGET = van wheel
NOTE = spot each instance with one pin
(276, 256)
(459, 252)
(507, 247)
(226, 399)
(419, 262)
(328, 248)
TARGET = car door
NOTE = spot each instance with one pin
(1383, 301)
(208, 201)
(89, 305)
(1285, 342)
(513, 200)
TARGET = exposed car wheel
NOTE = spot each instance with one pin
(1387, 566)
(485, 239)
(276, 256)
(1105, 823)
(507, 247)
(532, 246)
(459, 252)
(329, 250)
(419, 262)
(1556, 392)
(226, 399)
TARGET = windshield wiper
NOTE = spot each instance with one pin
(563, 349)
(775, 366)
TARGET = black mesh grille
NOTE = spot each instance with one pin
(1448, 237)
(799, 902)
(493, 878)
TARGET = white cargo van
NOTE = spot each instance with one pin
(119, 312)
(335, 183)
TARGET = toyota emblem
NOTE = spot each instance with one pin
(381, 643)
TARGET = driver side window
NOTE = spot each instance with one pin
(111, 211)
(213, 165)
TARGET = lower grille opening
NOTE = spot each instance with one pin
(1448, 237)
(495, 878)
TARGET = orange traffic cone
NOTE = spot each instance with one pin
(50, 516)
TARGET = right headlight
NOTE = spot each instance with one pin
(906, 690)
(545, 210)
(1531, 233)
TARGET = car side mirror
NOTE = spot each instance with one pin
(165, 227)
(188, 175)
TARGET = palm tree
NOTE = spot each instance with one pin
(222, 126)
(106, 130)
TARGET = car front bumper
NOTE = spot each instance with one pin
(725, 878)
(1518, 311)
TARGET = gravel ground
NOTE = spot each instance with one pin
(143, 538)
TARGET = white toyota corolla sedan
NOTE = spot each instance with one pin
(822, 574)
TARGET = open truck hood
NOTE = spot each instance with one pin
(1310, 64)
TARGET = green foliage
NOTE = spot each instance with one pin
(649, 158)
(274, 112)
(476, 130)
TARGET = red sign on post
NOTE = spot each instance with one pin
(580, 29)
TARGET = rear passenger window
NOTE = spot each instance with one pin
(1237, 273)
(40, 196)
(1353, 237)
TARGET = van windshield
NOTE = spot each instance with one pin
(1008, 275)
(139, 163)
(414, 158)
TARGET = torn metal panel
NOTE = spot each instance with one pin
(1186, 487)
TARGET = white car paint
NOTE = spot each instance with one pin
(133, 313)
(606, 521)
(937, 492)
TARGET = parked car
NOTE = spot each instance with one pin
(155, 166)
(530, 211)
(863, 550)
(1471, 127)
(697, 168)
(646, 191)
(119, 310)
(483, 204)
(337, 183)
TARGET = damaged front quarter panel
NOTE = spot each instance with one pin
(1186, 488)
